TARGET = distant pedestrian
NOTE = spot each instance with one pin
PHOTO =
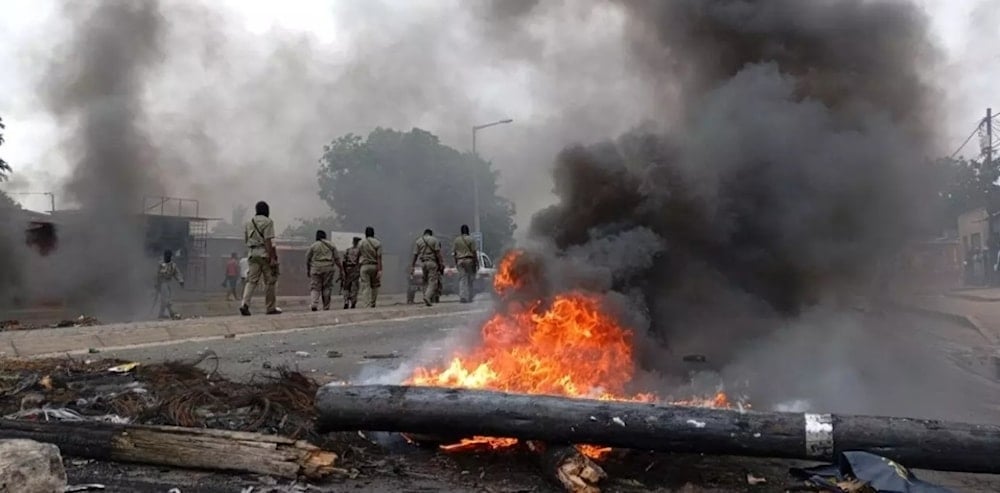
(427, 249)
(370, 255)
(232, 277)
(350, 282)
(259, 236)
(244, 272)
(467, 263)
(322, 267)
(165, 273)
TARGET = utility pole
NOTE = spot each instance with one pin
(989, 138)
(475, 173)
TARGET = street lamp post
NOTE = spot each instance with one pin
(475, 174)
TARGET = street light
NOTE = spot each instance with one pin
(475, 175)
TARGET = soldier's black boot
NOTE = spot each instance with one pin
(245, 310)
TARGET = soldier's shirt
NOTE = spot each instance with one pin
(352, 257)
(426, 248)
(321, 255)
(464, 247)
(258, 229)
(370, 250)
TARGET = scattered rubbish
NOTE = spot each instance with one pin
(83, 487)
(394, 354)
(65, 414)
(695, 423)
(695, 358)
(230, 336)
(618, 421)
(174, 490)
(93, 350)
(266, 365)
(81, 321)
(127, 367)
(333, 354)
(754, 480)
(11, 325)
(244, 360)
(865, 472)
(302, 354)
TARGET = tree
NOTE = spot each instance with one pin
(403, 182)
(4, 167)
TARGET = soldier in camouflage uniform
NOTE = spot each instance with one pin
(467, 262)
(351, 279)
(370, 255)
(167, 272)
(322, 267)
(427, 249)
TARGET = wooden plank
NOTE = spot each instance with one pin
(194, 448)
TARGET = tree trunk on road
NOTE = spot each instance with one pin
(195, 448)
(927, 444)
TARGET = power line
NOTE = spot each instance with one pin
(971, 135)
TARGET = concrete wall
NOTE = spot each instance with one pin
(973, 229)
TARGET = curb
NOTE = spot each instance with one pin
(39, 342)
(967, 321)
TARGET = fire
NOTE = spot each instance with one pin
(568, 347)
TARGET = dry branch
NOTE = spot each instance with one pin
(927, 444)
(194, 448)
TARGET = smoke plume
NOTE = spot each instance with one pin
(96, 85)
(785, 178)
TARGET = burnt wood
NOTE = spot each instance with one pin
(195, 448)
(918, 443)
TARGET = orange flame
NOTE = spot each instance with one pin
(570, 347)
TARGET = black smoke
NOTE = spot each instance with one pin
(95, 86)
(785, 180)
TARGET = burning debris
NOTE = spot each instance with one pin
(565, 345)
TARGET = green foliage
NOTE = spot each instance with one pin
(961, 185)
(403, 182)
(4, 167)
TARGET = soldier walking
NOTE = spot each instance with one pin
(351, 278)
(322, 267)
(427, 249)
(167, 272)
(467, 262)
(370, 260)
(263, 258)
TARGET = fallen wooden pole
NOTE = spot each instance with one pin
(927, 444)
(195, 448)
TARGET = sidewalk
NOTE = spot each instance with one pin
(976, 309)
(43, 342)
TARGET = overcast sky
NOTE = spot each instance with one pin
(967, 31)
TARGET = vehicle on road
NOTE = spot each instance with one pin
(449, 280)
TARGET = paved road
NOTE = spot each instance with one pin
(387, 343)
(913, 364)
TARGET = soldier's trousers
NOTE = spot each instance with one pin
(466, 279)
(432, 278)
(321, 287)
(369, 285)
(166, 300)
(261, 270)
(350, 288)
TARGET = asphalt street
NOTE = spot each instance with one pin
(344, 352)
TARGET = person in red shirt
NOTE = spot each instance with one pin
(232, 277)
